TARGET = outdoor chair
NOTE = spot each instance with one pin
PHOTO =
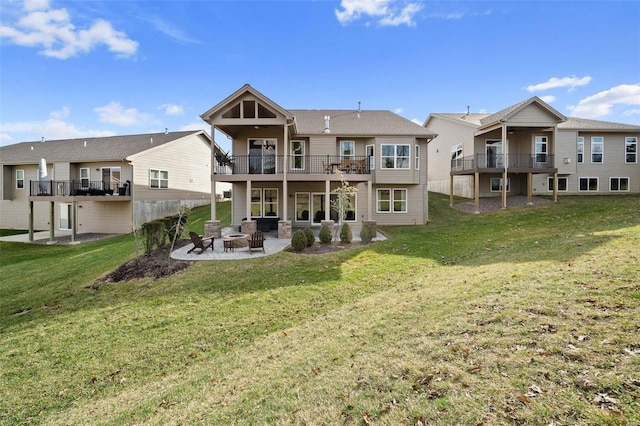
(256, 242)
(200, 243)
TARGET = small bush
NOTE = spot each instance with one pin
(325, 235)
(365, 233)
(298, 240)
(345, 233)
(310, 237)
(154, 235)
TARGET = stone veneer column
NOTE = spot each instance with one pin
(213, 228)
(248, 226)
(284, 229)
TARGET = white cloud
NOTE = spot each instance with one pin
(548, 99)
(61, 114)
(5, 139)
(554, 82)
(601, 103)
(50, 129)
(633, 111)
(418, 122)
(52, 31)
(171, 109)
(398, 110)
(385, 11)
(114, 113)
(196, 125)
(170, 30)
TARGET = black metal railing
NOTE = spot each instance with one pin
(303, 164)
(77, 188)
(516, 161)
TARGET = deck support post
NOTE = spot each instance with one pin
(30, 221)
(450, 190)
(529, 188)
(476, 192)
(74, 221)
(555, 187)
(51, 222)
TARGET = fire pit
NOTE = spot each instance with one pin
(234, 241)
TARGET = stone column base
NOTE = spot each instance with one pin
(284, 229)
(248, 227)
(212, 228)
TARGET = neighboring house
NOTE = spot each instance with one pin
(107, 184)
(284, 164)
(535, 149)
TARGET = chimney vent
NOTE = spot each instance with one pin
(327, 119)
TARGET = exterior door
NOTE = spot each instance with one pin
(65, 217)
(317, 207)
(541, 150)
(495, 159)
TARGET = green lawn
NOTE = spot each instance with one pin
(522, 316)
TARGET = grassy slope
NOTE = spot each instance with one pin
(519, 316)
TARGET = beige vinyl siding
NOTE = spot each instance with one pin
(395, 176)
(97, 216)
(533, 115)
(566, 146)
(14, 211)
(61, 171)
(415, 209)
(188, 165)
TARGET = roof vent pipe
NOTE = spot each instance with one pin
(326, 124)
(85, 144)
(42, 139)
(359, 109)
(166, 130)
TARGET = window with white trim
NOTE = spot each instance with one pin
(158, 179)
(619, 184)
(580, 149)
(264, 202)
(562, 184)
(588, 184)
(496, 184)
(347, 149)
(631, 149)
(391, 200)
(85, 177)
(19, 179)
(417, 149)
(597, 150)
(395, 156)
(456, 156)
(297, 155)
(541, 149)
(348, 208)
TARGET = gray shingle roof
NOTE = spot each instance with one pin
(354, 123)
(471, 118)
(574, 123)
(96, 149)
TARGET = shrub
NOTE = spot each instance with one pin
(154, 235)
(345, 233)
(325, 235)
(310, 237)
(365, 233)
(298, 240)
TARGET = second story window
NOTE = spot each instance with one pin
(19, 179)
(631, 149)
(395, 156)
(347, 148)
(297, 155)
(158, 179)
(417, 149)
(456, 156)
(580, 149)
(84, 178)
(597, 149)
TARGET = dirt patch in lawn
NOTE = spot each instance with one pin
(156, 265)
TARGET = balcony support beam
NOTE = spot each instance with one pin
(555, 187)
(51, 222)
(30, 221)
(476, 192)
(450, 190)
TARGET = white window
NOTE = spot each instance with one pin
(84, 178)
(496, 184)
(297, 155)
(417, 149)
(562, 184)
(370, 151)
(541, 149)
(395, 157)
(347, 148)
(158, 179)
(349, 209)
(597, 149)
(262, 156)
(631, 149)
(580, 149)
(19, 179)
(303, 206)
(264, 202)
(391, 200)
(456, 156)
(589, 184)
(619, 184)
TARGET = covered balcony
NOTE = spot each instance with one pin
(62, 189)
(516, 163)
(303, 165)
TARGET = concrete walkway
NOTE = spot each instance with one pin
(37, 236)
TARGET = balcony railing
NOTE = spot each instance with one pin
(303, 164)
(515, 161)
(67, 188)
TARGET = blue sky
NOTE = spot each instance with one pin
(97, 68)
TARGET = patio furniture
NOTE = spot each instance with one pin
(200, 242)
(256, 242)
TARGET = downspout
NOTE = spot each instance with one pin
(506, 164)
(213, 173)
(285, 168)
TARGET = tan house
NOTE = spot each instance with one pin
(108, 184)
(284, 164)
(534, 149)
